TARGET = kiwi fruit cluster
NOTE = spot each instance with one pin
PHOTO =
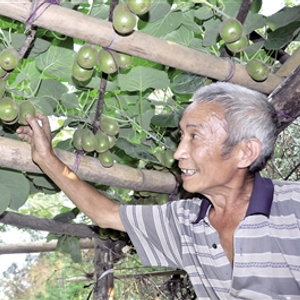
(88, 57)
(99, 143)
(10, 111)
(9, 59)
(232, 32)
(125, 15)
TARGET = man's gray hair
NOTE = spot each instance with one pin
(248, 115)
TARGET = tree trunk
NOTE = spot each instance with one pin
(100, 32)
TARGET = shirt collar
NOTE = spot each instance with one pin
(262, 196)
(260, 200)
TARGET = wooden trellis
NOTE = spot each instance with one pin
(283, 88)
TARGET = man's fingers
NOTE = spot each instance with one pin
(32, 121)
(36, 126)
(24, 133)
(23, 129)
(25, 137)
(45, 124)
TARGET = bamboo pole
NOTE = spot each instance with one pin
(90, 29)
(38, 247)
(290, 64)
(90, 169)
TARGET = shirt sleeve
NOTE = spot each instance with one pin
(155, 233)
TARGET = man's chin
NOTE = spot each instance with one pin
(189, 188)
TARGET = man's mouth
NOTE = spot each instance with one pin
(188, 172)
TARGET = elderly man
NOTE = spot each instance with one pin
(239, 237)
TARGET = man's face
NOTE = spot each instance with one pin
(199, 153)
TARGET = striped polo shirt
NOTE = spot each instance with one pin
(266, 243)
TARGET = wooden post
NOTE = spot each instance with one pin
(286, 99)
(103, 261)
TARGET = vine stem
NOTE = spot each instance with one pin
(103, 82)
(30, 37)
(4, 38)
(213, 7)
(155, 138)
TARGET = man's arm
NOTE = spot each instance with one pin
(98, 207)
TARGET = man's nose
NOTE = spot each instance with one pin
(181, 151)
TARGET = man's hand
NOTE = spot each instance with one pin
(38, 135)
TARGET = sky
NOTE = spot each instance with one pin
(271, 6)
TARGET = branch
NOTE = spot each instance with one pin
(38, 247)
(292, 171)
(244, 10)
(137, 275)
(43, 224)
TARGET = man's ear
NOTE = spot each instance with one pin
(249, 152)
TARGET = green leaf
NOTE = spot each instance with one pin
(211, 32)
(56, 62)
(158, 10)
(94, 83)
(5, 198)
(67, 216)
(186, 83)
(284, 17)
(231, 7)
(52, 236)
(64, 145)
(43, 105)
(69, 100)
(254, 48)
(167, 120)
(197, 44)
(100, 10)
(39, 46)
(135, 150)
(204, 13)
(70, 244)
(282, 36)
(51, 90)
(6, 23)
(253, 22)
(163, 26)
(27, 72)
(17, 185)
(182, 36)
(189, 22)
(17, 40)
(142, 78)
(42, 181)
